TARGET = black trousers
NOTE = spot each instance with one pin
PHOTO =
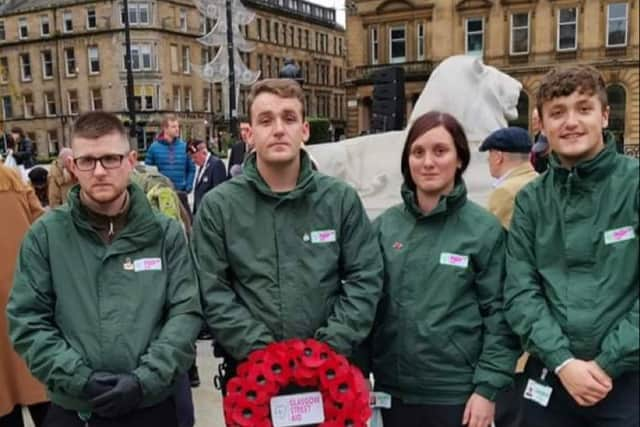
(14, 418)
(161, 415)
(618, 409)
(403, 415)
(509, 404)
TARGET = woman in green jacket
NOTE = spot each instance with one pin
(441, 347)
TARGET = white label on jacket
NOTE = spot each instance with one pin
(380, 400)
(619, 235)
(147, 264)
(297, 409)
(323, 236)
(538, 393)
(456, 260)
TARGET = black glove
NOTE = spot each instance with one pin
(122, 398)
(99, 383)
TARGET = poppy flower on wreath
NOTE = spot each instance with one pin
(305, 363)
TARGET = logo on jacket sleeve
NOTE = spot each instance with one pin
(455, 260)
(619, 235)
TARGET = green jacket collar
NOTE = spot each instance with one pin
(305, 179)
(141, 228)
(447, 203)
(587, 171)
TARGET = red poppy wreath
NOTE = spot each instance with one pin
(305, 363)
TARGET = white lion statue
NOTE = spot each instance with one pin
(479, 96)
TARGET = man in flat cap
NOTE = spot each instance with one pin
(509, 164)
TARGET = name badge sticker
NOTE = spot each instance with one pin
(619, 235)
(455, 260)
(538, 393)
(297, 409)
(323, 236)
(147, 264)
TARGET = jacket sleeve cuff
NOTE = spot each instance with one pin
(607, 364)
(79, 380)
(487, 391)
(556, 358)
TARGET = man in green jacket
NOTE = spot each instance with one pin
(572, 265)
(283, 251)
(105, 307)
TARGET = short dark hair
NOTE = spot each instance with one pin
(284, 88)
(192, 146)
(18, 130)
(96, 124)
(561, 82)
(425, 123)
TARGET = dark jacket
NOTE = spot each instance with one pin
(273, 266)
(79, 305)
(213, 174)
(238, 151)
(440, 333)
(572, 263)
(25, 153)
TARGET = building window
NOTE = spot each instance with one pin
(45, 28)
(420, 41)
(23, 28)
(177, 98)
(276, 32)
(617, 98)
(183, 20)
(374, 45)
(567, 29)
(174, 58)
(141, 57)
(27, 105)
(143, 97)
(519, 34)
(96, 99)
(138, 13)
(259, 28)
(25, 67)
(67, 22)
(188, 99)
(47, 64)
(186, 60)
(3, 35)
(52, 141)
(218, 97)
(306, 38)
(7, 107)
(91, 19)
(474, 37)
(268, 28)
(94, 59)
(72, 102)
(206, 100)
(4, 69)
(49, 104)
(397, 44)
(70, 62)
(617, 24)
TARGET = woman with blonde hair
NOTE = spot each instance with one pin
(20, 208)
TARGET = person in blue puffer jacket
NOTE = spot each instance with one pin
(169, 154)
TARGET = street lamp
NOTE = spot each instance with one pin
(127, 61)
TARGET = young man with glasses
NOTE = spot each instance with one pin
(105, 308)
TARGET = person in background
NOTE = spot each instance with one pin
(209, 173)
(571, 292)
(105, 307)
(440, 344)
(169, 154)
(509, 165)
(38, 177)
(539, 156)
(240, 150)
(20, 209)
(25, 150)
(60, 178)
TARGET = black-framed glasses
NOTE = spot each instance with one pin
(108, 161)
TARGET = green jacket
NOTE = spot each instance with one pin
(78, 305)
(572, 264)
(274, 266)
(440, 334)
